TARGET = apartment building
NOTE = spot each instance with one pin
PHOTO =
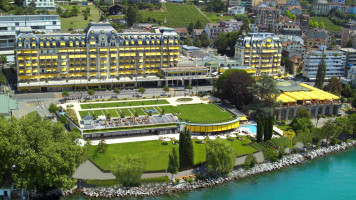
(10, 25)
(335, 64)
(213, 29)
(261, 51)
(98, 58)
(40, 4)
(350, 57)
(266, 15)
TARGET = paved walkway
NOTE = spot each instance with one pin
(88, 170)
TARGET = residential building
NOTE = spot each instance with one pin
(261, 51)
(7, 105)
(293, 3)
(297, 64)
(266, 15)
(295, 10)
(232, 3)
(182, 32)
(236, 10)
(41, 4)
(115, 9)
(289, 28)
(335, 64)
(197, 33)
(351, 76)
(11, 24)
(100, 57)
(314, 42)
(294, 48)
(213, 29)
(339, 1)
(317, 36)
(321, 7)
(350, 57)
(348, 33)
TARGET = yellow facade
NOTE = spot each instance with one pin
(94, 55)
(211, 128)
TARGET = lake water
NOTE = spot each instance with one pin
(332, 177)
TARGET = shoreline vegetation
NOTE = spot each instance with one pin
(240, 173)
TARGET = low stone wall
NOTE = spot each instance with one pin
(166, 189)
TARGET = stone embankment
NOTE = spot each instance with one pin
(166, 189)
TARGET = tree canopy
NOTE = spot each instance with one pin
(185, 150)
(132, 15)
(173, 163)
(334, 86)
(128, 170)
(220, 156)
(233, 85)
(38, 154)
(320, 75)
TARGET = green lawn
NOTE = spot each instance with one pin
(284, 128)
(177, 15)
(123, 104)
(329, 25)
(155, 154)
(202, 113)
(195, 113)
(78, 22)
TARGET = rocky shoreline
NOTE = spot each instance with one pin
(167, 189)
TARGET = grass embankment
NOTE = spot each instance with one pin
(123, 104)
(284, 128)
(215, 17)
(177, 15)
(195, 113)
(329, 25)
(155, 153)
(78, 22)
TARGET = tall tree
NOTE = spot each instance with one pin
(320, 75)
(38, 154)
(233, 85)
(198, 24)
(128, 170)
(132, 15)
(205, 41)
(220, 156)
(190, 28)
(349, 43)
(334, 86)
(173, 163)
(185, 150)
(259, 129)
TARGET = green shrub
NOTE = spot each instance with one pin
(270, 155)
(161, 179)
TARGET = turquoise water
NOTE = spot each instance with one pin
(253, 128)
(332, 177)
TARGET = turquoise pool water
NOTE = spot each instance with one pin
(253, 128)
(331, 177)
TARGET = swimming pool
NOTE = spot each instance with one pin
(252, 128)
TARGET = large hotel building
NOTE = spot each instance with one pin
(261, 51)
(101, 56)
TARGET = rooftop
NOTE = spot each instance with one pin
(7, 104)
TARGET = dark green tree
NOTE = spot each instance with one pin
(132, 15)
(52, 108)
(205, 41)
(260, 127)
(334, 86)
(190, 28)
(349, 43)
(185, 151)
(320, 75)
(198, 24)
(173, 163)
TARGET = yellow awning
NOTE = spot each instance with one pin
(92, 56)
(103, 49)
(92, 43)
(113, 55)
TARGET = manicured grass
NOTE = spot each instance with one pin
(284, 128)
(177, 15)
(122, 104)
(155, 154)
(195, 113)
(78, 22)
(329, 25)
(202, 113)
